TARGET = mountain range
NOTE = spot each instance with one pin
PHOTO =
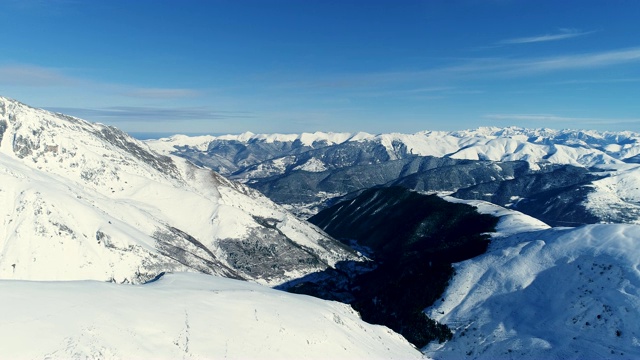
(563, 177)
(116, 248)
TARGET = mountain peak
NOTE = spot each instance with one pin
(87, 201)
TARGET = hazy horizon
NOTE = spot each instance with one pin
(290, 66)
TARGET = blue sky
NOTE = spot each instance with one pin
(310, 65)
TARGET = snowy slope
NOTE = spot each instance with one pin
(183, 316)
(553, 293)
(86, 201)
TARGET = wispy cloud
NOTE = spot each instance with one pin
(428, 91)
(561, 119)
(530, 66)
(149, 114)
(598, 81)
(30, 75)
(495, 67)
(531, 117)
(26, 75)
(162, 93)
(582, 61)
(563, 34)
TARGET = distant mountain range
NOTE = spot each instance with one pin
(562, 177)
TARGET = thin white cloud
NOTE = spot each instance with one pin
(25, 75)
(531, 117)
(149, 114)
(474, 68)
(583, 61)
(563, 119)
(597, 81)
(162, 93)
(30, 75)
(562, 35)
(523, 67)
(405, 92)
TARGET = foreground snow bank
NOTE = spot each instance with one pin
(569, 293)
(183, 316)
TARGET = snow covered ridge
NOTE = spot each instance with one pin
(574, 147)
(87, 201)
(561, 293)
(184, 316)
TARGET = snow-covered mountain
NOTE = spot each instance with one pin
(572, 147)
(87, 201)
(183, 316)
(539, 292)
(509, 166)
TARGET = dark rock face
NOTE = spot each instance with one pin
(268, 253)
(3, 127)
(24, 147)
(413, 239)
(187, 250)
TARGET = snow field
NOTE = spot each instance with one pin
(184, 316)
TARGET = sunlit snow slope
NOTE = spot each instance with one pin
(86, 201)
(545, 293)
(183, 316)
